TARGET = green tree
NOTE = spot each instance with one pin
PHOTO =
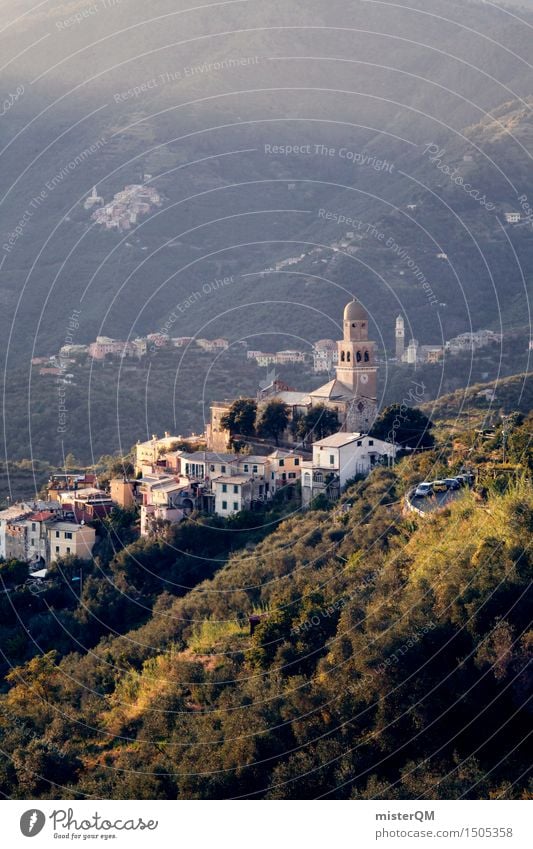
(408, 427)
(71, 462)
(241, 417)
(317, 423)
(13, 572)
(273, 420)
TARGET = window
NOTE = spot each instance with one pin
(235, 505)
(246, 467)
(296, 461)
(224, 487)
(359, 443)
(33, 526)
(292, 475)
(68, 550)
(331, 459)
(223, 470)
(57, 549)
(370, 441)
(224, 505)
(33, 542)
(272, 475)
(281, 463)
(254, 469)
(68, 534)
(235, 489)
(57, 534)
(211, 468)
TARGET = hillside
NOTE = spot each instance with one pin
(482, 403)
(389, 654)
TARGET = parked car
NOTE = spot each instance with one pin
(423, 490)
(452, 483)
(440, 486)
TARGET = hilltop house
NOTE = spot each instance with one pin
(339, 458)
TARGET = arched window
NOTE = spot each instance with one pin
(367, 358)
(342, 356)
(359, 358)
(348, 357)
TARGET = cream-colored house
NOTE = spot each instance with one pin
(148, 453)
(233, 493)
(68, 538)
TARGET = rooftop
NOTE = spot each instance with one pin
(294, 398)
(15, 512)
(41, 516)
(210, 457)
(338, 440)
(67, 526)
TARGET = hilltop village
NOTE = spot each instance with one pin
(285, 443)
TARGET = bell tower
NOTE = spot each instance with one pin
(357, 369)
(400, 338)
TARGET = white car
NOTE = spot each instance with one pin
(423, 490)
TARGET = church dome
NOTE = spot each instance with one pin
(354, 311)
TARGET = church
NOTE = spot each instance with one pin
(352, 393)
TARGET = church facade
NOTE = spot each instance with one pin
(352, 393)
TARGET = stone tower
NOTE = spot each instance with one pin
(400, 338)
(357, 369)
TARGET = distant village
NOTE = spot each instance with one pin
(127, 206)
(223, 472)
(323, 357)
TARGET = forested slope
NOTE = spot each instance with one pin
(390, 660)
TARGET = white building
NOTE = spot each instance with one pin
(325, 356)
(339, 458)
(411, 354)
(472, 341)
(400, 337)
(513, 217)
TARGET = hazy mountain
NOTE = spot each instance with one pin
(204, 101)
